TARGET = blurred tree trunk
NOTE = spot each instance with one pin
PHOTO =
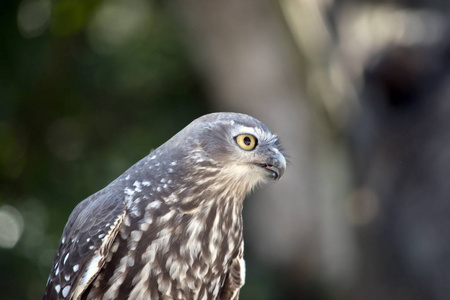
(403, 167)
(400, 140)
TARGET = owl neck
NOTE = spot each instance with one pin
(217, 229)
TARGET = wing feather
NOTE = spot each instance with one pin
(84, 245)
(235, 277)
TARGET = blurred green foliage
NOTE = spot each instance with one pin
(87, 88)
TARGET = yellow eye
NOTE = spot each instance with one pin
(246, 141)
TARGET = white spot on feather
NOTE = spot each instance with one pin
(135, 211)
(57, 288)
(65, 258)
(124, 234)
(132, 245)
(148, 219)
(115, 246)
(127, 221)
(242, 269)
(67, 277)
(91, 270)
(144, 226)
(163, 220)
(65, 291)
(137, 185)
(154, 204)
(128, 191)
(130, 261)
(145, 183)
(76, 267)
(136, 235)
(100, 236)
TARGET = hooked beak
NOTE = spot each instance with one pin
(275, 165)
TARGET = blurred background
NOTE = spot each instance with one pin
(358, 91)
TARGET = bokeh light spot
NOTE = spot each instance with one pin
(33, 17)
(11, 226)
(116, 22)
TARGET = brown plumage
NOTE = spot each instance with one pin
(170, 227)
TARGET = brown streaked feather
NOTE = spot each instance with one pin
(235, 277)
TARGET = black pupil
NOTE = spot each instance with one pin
(247, 140)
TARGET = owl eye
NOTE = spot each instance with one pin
(246, 141)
